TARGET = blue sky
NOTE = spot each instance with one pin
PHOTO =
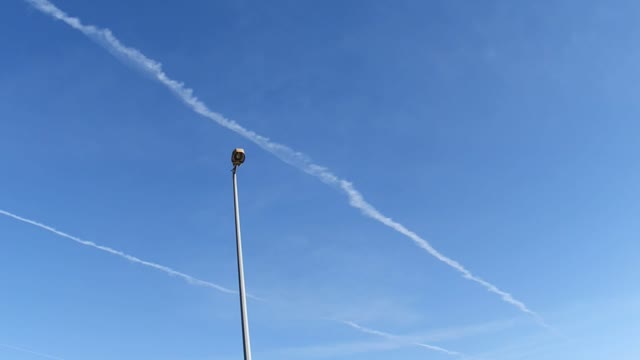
(503, 133)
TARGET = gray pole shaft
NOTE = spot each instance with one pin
(243, 299)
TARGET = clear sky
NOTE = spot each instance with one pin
(504, 133)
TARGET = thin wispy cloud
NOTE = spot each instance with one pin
(297, 159)
(31, 352)
(165, 269)
(384, 341)
(399, 339)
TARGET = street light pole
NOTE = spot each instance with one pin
(237, 158)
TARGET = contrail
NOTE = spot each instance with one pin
(399, 338)
(27, 351)
(297, 159)
(165, 269)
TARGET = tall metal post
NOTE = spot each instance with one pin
(243, 299)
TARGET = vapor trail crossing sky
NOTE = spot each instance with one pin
(297, 159)
(188, 278)
(167, 270)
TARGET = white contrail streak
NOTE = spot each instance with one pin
(27, 351)
(297, 159)
(167, 270)
(399, 338)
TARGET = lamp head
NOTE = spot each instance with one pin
(237, 157)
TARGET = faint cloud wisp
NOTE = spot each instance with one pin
(399, 339)
(31, 352)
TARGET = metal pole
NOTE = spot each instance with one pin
(243, 300)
